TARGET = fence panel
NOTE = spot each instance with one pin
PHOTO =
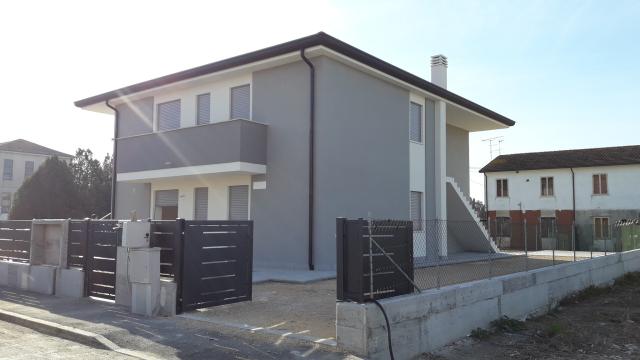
(104, 237)
(375, 258)
(15, 240)
(163, 236)
(77, 246)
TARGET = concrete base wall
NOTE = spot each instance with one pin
(37, 278)
(426, 321)
(70, 283)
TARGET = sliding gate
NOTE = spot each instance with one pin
(217, 263)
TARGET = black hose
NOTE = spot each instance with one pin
(386, 319)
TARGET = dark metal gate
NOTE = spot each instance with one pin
(102, 242)
(217, 263)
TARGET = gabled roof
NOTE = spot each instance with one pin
(608, 156)
(319, 39)
(27, 147)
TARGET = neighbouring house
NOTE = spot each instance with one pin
(293, 136)
(553, 190)
(19, 160)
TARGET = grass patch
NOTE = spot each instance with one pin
(507, 324)
(554, 329)
(480, 334)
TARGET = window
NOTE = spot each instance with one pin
(239, 202)
(601, 228)
(546, 186)
(169, 115)
(547, 227)
(502, 188)
(28, 168)
(600, 184)
(415, 122)
(5, 203)
(415, 209)
(201, 203)
(204, 109)
(7, 170)
(166, 204)
(503, 227)
(241, 102)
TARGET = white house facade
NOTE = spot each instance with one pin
(19, 159)
(591, 188)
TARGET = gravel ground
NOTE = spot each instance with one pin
(17, 342)
(598, 323)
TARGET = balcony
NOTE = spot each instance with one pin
(236, 146)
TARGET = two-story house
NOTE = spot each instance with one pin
(293, 136)
(551, 191)
(19, 159)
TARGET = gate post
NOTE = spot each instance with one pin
(86, 256)
(178, 253)
(341, 233)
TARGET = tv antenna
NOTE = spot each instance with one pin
(495, 145)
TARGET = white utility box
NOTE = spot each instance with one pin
(136, 234)
(144, 265)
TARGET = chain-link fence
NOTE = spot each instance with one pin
(451, 252)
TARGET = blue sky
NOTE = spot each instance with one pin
(566, 71)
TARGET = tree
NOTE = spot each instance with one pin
(50, 193)
(93, 180)
(79, 189)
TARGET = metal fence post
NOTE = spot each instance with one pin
(86, 257)
(573, 239)
(178, 260)
(555, 242)
(438, 232)
(340, 257)
(526, 247)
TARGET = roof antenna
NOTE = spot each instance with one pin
(495, 145)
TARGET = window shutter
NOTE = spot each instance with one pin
(543, 186)
(415, 209)
(239, 202)
(415, 122)
(204, 109)
(201, 202)
(505, 187)
(603, 184)
(550, 186)
(167, 198)
(596, 184)
(28, 168)
(240, 102)
(169, 115)
(7, 171)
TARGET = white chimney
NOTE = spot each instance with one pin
(439, 70)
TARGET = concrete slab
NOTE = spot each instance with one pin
(291, 276)
(42, 279)
(70, 283)
(4, 273)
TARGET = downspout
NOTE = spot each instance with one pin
(312, 121)
(573, 198)
(486, 200)
(114, 160)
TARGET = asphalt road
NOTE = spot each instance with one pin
(17, 342)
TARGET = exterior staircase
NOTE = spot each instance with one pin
(463, 222)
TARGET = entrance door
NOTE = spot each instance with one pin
(169, 212)
(166, 205)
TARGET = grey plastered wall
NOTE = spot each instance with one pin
(362, 151)
(458, 156)
(130, 197)
(136, 117)
(281, 100)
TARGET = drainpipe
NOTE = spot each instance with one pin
(114, 159)
(486, 200)
(312, 121)
(573, 192)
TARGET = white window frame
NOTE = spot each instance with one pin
(500, 183)
(2, 198)
(544, 186)
(250, 85)
(197, 108)
(422, 123)
(4, 169)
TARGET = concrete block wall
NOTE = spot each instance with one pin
(429, 320)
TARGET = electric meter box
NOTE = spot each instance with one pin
(135, 234)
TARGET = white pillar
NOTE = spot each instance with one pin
(436, 172)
